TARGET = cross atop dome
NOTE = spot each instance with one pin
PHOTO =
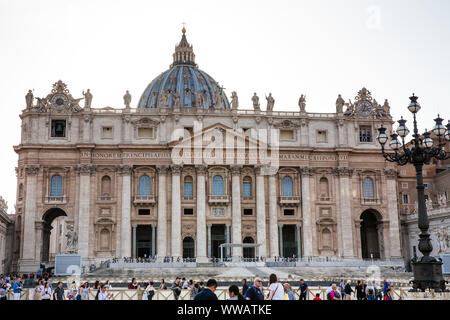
(184, 54)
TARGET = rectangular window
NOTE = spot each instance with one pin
(188, 189)
(247, 189)
(403, 172)
(248, 212)
(424, 172)
(107, 133)
(405, 199)
(404, 185)
(289, 212)
(145, 132)
(188, 212)
(426, 185)
(58, 129)
(287, 134)
(365, 134)
(321, 136)
(144, 212)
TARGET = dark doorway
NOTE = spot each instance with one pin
(217, 238)
(289, 241)
(143, 241)
(188, 248)
(249, 252)
(48, 218)
(369, 234)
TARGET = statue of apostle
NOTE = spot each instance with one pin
(234, 100)
(270, 102)
(29, 99)
(302, 103)
(127, 99)
(339, 104)
(255, 100)
(87, 99)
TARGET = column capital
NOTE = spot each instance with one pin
(390, 173)
(236, 170)
(176, 168)
(86, 169)
(32, 169)
(280, 225)
(306, 171)
(265, 170)
(162, 169)
(124, 169)
(343, 171)
(201, 169)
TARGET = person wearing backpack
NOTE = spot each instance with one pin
(255, 291)
(334, 293)
(276, 290)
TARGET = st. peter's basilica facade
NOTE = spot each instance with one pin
(188, 170)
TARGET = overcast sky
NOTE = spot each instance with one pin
(317, 48)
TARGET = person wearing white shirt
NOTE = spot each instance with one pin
(46, 292)
(275, 288)
(103, 295)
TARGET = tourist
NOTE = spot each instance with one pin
(47, 291)
(234, 293)
(208, 292)
(17, 288)
(162, 286)
(149, 291)
(3, 292)
(176, 288)
(193, 289)
(58, 294)
(387, 296)
(348, 291)
(276, 291)
(360, 295)
(334, 293)
(317, 297)
(133, 284)
(255, 291)
(386, 286)
(96, 285)
(108, 285)
(244, 286)
(72, 291)
(303, 288)
(378, 291)
(84, 291)
(201, 286)
(185, 284)
(288, 292)
(341, 289)
(38, 291)
(103, 294)
(370, 292)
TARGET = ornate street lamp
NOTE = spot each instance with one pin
(427, 270)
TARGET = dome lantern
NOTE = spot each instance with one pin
(184, 53)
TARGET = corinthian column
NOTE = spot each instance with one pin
(394, 232)
(346, 211)
(201, 215)
(307, 213)
(28, 237)
(236, 211)
(162, 215)
(176, 211)
(260, 212)
(85, 171)
(273, 217)
(125, 222)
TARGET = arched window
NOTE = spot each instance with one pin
(323, 187)
(106, 186)
(326, 238)
(247, 187)
(144, 185)
(56, 188)
(217, 189)
(188, 192)
(287, 186)
(368, 188)
(104, 239)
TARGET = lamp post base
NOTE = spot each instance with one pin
(428, 275)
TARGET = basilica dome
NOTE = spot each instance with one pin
(184, 84)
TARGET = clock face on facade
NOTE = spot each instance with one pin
(59, 101)
(365, 107)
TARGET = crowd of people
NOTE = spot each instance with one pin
(198, 290)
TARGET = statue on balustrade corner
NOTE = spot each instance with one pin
(234, 100)
(72, 239)
(270, 102)
(302, 103)
(340, 104)
(255, 100)
(127, 99)
(442, 200)
(218, 98)
(29, 99)
(87, 98)
(429, 204)
(442, 240)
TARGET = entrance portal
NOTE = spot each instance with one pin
(289, 241)
(249, 252)
(143, 241)
(188, 248)
(370, 231)
(217, 238)
(48, 218)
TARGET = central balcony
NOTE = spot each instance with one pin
(213, 199)
(289, 201)
(55, 200)
(144, 200)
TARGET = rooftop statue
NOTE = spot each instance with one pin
(218, 98)
(386, 107)
(127, 99)
(29, 99)
(340, 104)
(87, 99)
(234, 100)
(270, 102)
(255, 100)
(302, 103)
